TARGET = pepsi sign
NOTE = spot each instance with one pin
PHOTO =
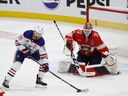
(51, 4)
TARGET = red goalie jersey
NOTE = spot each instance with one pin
(88, 46)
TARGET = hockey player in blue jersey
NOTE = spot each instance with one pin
(30, 44)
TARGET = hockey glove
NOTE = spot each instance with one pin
(35, 55)
(26, 52)
(44, 68)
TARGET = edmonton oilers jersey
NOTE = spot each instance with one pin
(26, 40)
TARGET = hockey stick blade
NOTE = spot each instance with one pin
(82, 90)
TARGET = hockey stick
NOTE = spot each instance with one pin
(81, 72)
(78, 90)
(72, 56)
(95, 66)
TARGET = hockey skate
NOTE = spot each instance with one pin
(40, 83)
(5, 85)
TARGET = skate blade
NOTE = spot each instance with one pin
(40, 86)
(4, 88)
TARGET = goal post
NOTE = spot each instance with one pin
(110, 14)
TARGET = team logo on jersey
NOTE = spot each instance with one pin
(51, 4)
(91, 42)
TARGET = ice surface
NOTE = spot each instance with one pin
(23, 84)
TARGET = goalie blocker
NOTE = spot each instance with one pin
(90, 70)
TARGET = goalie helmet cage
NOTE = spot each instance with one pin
(121, 14)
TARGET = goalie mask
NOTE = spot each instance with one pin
(87, 29)
(37, 32)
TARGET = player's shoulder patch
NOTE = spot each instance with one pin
(95, 34)
(77, 31)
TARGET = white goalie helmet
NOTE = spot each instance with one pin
(87, 29)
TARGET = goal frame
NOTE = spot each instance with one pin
(101, 8)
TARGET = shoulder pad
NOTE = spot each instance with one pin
(41, 42)
(28, 34)
(95, 34)
(77, 31)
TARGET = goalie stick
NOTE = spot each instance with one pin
(81, 72)
(77, 89)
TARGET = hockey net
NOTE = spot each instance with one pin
(109, 17)
(119, 15)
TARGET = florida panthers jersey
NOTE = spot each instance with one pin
(26, 40)
(87, 46)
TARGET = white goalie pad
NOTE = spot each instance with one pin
(112, 69)
(111, 65)
(64, 66)
(66, 51)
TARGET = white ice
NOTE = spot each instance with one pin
(23, 84)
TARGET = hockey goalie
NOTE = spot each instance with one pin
(93, 57)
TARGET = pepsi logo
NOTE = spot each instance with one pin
(51, 4)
